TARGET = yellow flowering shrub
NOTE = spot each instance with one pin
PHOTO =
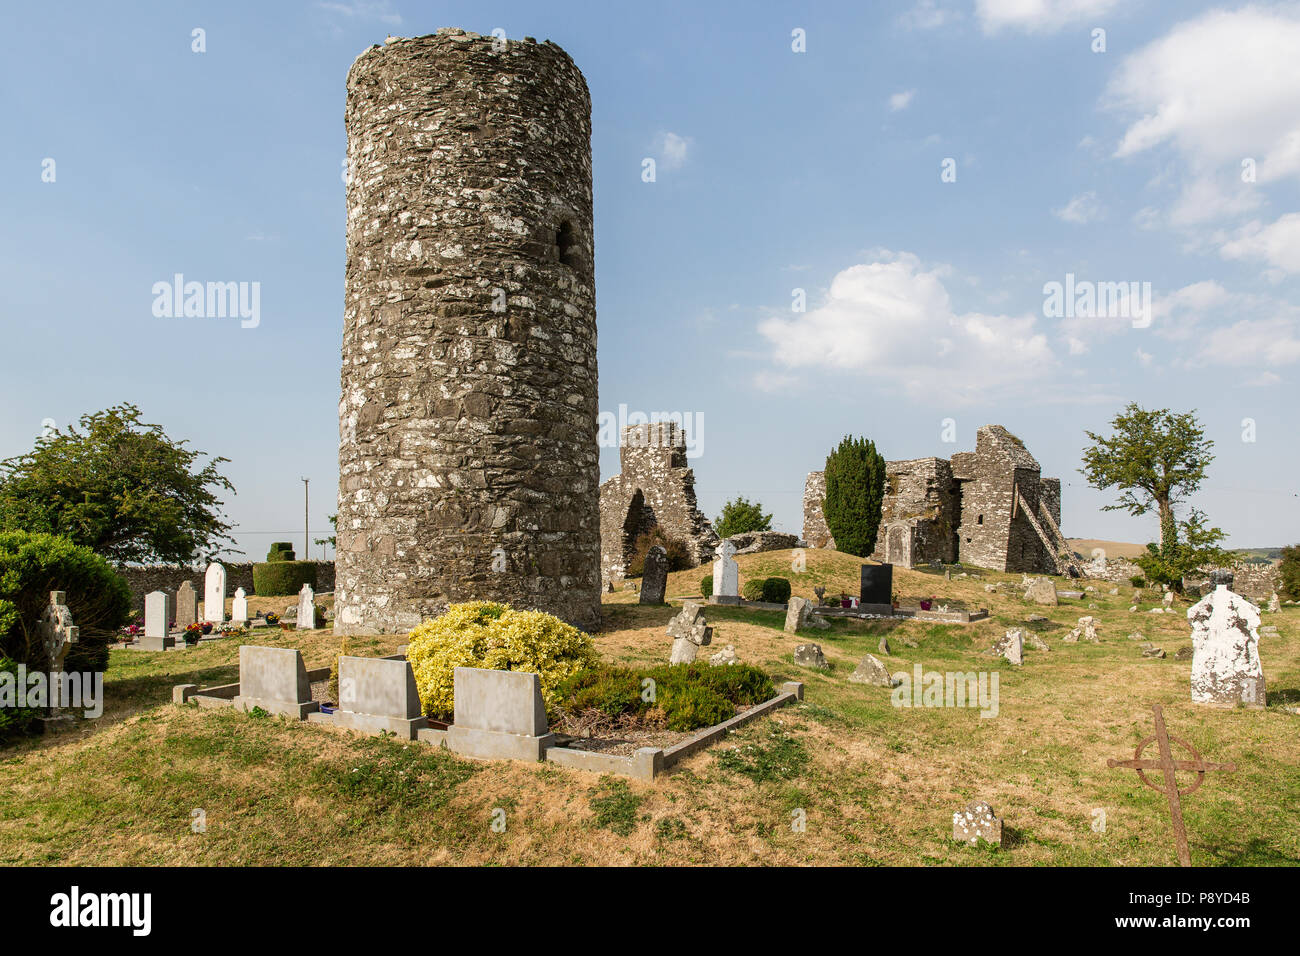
(496, 637)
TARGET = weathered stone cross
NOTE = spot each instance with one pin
(1169, 765)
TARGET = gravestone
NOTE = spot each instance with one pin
(654, 579)
(1226, 670)
(187, 605)
(871, 670)
(799, 616)
(1010, 645)
(1274, 605)
(378, 694)
(976, 822)
(725, 657)
(239, 607)
(726, 575)
(810, 655)
(306, 608)
(274, 679)
(499, 714)
(1042, 591)
(689, 632)
(214, 593)
(58, 634)
(876, 585)
(156, 630)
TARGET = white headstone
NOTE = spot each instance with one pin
(726, 573)
(306, 608)
(214, 593)
(239, 607)
(1226, 670)
(155, 614)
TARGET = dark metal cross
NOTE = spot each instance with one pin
(1169, 765)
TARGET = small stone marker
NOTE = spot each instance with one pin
(724, 657)
(977, 822)
(214, 593)
(689, 631)
(883, 646)
(726, 575)
(654, 579)
(239, 607)
(871, 670)
(187, 605)
(1168, 765)
(1042, 591)
(1226, 669)
(155, 636)
(1274, 605)
(1150, 650)
(810, 655)
(306, 608)
(1011, 646)
(1087, 631)
(1184, 653)
(1036, 642)
(799, 616)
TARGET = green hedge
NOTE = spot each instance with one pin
(706, 585)
(33, 565)
(776, 590)
(283, 577)
(280, 551)
(691, 696)
(753, 590)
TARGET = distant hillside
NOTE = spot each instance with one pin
(1125, 549)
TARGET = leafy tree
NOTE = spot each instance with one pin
(740, 516)
(1155, 458)
(332, 540)
(855, 493)
(118, 486)
(1184, 553)
(1289, 573)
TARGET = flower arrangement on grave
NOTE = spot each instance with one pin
(193, 632)
(496, 637)
(207, 626)
(272, 618)
(230, 629)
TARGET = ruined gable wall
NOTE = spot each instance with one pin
(654, 465)
(921, 498)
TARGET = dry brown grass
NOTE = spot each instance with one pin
(878, 784)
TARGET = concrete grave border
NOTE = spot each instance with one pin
(489, 744)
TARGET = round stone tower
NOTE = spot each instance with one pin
(468, 460)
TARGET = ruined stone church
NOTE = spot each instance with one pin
(990, 508)
(656, 488)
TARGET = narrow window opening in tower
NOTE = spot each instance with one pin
(566, 242)
(979, 520)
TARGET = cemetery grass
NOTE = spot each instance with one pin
(876, 785)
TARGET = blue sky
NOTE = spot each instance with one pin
(777, 171)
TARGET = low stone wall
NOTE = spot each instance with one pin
(751, 542)
(161, 577)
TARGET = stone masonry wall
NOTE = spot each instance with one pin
(144, 579)
(655, 487)
(919, 514)
(468, 461)
(815, 531)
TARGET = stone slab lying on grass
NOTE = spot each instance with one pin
(1010, 645)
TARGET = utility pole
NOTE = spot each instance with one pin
(306, 524)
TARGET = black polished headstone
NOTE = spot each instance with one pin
(877, 584)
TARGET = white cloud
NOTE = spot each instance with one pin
(672, 150)
(927, 15)
(894, 319)
(1144, 358)
(1217, 90)
(1081, 209)
(1250, 342)
(1277, 244)
(1038, 16)
(380, 10)
(901, 100)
